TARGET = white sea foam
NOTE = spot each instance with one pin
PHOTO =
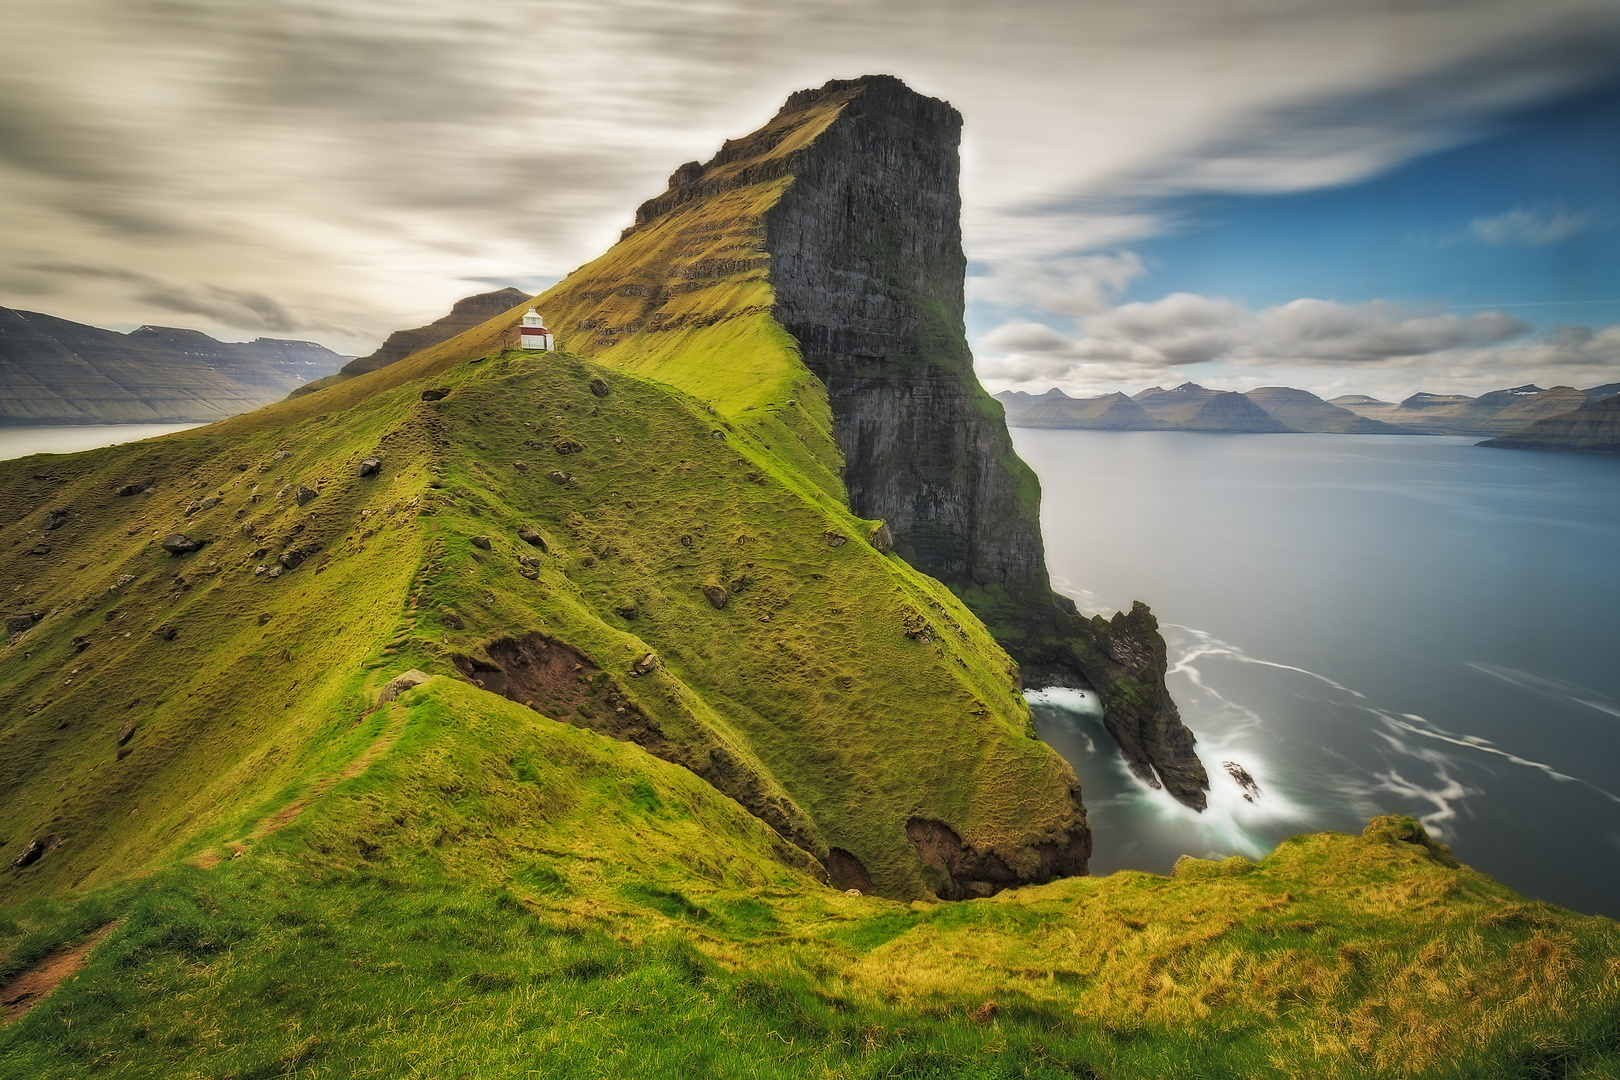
(1556, 689)
(1080, 702)
(1230, 823)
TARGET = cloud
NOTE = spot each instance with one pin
(223, 306)
(1149, 340)
(1533, 226)
(357, 162)
(1071, 285)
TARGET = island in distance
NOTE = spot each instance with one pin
(1283, 409)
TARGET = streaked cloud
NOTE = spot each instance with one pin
(1531, 226)
(348, 167)
(1309, 343)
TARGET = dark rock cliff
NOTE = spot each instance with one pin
(868, 272)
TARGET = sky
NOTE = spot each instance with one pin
(1345, 196)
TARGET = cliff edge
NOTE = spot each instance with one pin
(868, 272)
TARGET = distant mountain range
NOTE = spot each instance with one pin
(466, 313)
(53, 371)
(1592, 428)
(1278, 409)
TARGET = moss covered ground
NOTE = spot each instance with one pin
(498, 894)
(837, 687)
(300, 881)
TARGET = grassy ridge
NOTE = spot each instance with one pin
(837, 687)
(501, 895)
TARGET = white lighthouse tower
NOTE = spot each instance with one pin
(533, 333)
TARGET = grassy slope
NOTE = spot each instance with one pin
(501, 895)
(807, 677)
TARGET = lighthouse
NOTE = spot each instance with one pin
(533, 333)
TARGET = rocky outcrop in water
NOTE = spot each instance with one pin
(868, 272)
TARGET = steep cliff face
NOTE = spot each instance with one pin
(867, 269)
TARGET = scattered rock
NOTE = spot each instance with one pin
(481, 542)
(81, 643)
(436, 395)
(126, 733)
(558, 477)
(567, 446)
(264, 617)
(305, 495)
(40, 549)
(644, 664)
(881, 538)
(599, 386)
(369, 467)
(716, 595)
(626, 609)
(480, 444)
(167, 632)
(686, 541)
(451, 619)
(248, 529)
(55, 519)
(180, 544)
(23, 620)
(37, 849)
(618, 440)
(292, 559)
(717, 433)
(261, 569)
(275, 572)
(836, 539)
(136, 487)
(531, 536)
(520, 466)
(281, 455)
(123, 580)
(529, 561)
(401, 683)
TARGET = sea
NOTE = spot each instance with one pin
(1361, 625)
(16, 442)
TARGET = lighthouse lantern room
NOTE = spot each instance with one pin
(533, 333)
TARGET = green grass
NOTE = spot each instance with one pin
(442, 914)
(812, 696)
(301, 882)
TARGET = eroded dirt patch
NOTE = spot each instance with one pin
(557, 680)
(31, 987)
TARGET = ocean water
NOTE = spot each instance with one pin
(16, 442)
(1363, 625)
